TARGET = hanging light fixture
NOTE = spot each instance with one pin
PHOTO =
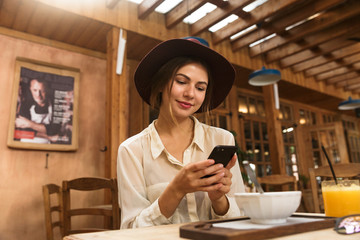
(349, 104)
(264, 77)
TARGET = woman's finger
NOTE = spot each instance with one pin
(232, 162)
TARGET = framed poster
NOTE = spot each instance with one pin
(44, 107)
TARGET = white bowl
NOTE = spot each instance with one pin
(269, 207)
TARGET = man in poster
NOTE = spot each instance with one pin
(44, 113)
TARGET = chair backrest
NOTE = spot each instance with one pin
(53, 203)
(342, 170)
(278, 180)
(91, 184)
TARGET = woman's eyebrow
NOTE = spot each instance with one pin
(188, 78)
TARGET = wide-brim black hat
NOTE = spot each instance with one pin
(221, 70)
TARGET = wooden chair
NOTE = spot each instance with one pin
(278, 180)
(342, 170)
(91, 184)
(53, 203)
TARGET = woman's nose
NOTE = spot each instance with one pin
(189, 91)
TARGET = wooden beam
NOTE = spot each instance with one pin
(333, 56)
(340, 78)
(312, 26)
(276, 143)
(321, 49)
(117, 103)
(313, 40)
(147, 6)
(257, 15)
(280, 24)
(333, 65)
(339, 71)
(352, 87)
(347, 82)
(181, 11)
(219, 3)
(52, 43)
(233, 105)
(217, 15)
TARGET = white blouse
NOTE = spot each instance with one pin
(145, 168)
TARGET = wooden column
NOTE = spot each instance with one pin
(117, 102)
(276, 143)
(235, 124)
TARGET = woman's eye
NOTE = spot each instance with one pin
(201, 88)
(180, 81)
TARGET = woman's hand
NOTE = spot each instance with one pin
(190, 180)
(217, 197)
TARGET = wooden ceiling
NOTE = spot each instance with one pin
(323, 41)
(320, 38)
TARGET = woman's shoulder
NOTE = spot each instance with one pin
(136, 139)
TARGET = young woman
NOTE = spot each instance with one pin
(160, 170)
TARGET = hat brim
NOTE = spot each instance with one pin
(221, 70)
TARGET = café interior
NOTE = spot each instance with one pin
(301, 111)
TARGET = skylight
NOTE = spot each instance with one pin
(200, 13)
(136, 1)
(254, 5)
(223, 23)
(239, 34)
(301, 22)
(262, 40)
(167, 5)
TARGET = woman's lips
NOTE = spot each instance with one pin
(185, 104)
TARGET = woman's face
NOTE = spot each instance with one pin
(188, 90)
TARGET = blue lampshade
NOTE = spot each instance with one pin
(264, 77)
(349, 104)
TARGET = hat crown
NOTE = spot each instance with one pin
(198, 40)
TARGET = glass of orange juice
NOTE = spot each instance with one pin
(342, 198)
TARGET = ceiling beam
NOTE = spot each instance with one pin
(333, 56)
(182, 10)
(219, 3)
(321, 49)
(147, 6)
(257, 15)
(352, 87)
(340, 71)
(343, 77)
(312, 26)
(280, 24)
(217, 15)
(313, 40)
(333, 65)
(347, 82)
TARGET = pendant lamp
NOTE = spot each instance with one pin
(264, 77)
(349, 104)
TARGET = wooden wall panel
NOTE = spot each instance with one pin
(23, 172)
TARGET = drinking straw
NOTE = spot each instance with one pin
(330, 164)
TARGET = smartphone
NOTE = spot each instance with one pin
(222, 154)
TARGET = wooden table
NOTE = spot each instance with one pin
(172, 232)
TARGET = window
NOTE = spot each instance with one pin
(255, 133)
(288, 132)
(307, 117)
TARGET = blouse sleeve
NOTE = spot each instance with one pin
(136, 209)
